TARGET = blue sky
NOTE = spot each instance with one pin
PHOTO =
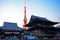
(13, 10)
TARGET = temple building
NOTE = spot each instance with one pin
(43, 28)
(9, 30)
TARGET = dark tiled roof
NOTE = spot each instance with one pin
(39, 20)
(11, 26)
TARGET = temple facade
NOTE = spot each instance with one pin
(39, 29)
(10, 31)
(43, 28)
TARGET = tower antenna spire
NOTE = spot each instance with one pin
(25, 18)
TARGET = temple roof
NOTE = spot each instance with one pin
(40, 20)
(8, 26)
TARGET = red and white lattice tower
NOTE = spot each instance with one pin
(25, 18)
